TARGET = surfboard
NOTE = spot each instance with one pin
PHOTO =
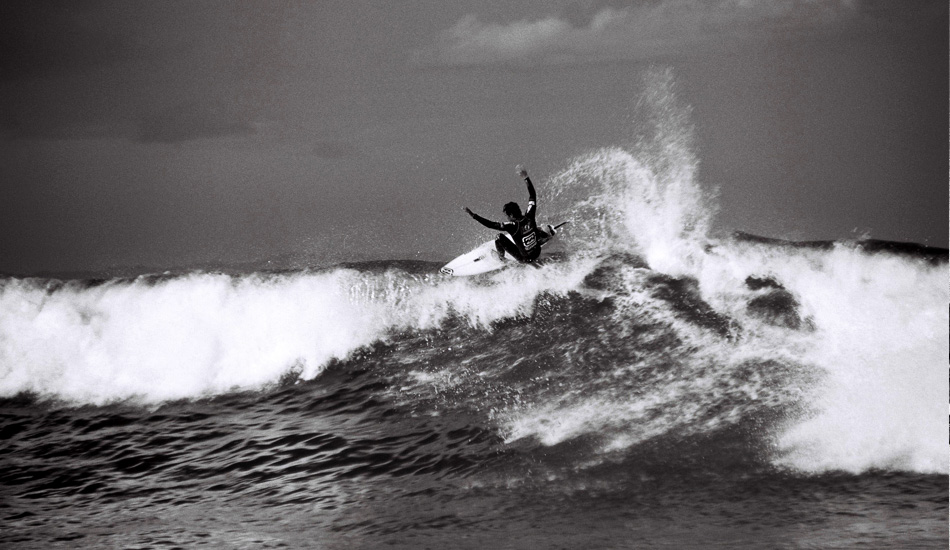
(483, 259)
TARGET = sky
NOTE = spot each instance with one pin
(167, 134)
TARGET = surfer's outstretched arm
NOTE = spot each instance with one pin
(532, 196)
(484, 221)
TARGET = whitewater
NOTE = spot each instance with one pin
(657, 385)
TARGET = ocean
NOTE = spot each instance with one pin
(654, 385)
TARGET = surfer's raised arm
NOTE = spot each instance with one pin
(484, 221)
(532, 196)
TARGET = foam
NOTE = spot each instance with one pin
(204, 334)
(878, 347)
(874, 354)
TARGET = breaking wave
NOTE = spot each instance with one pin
(647, 329)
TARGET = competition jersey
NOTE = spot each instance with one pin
(524, 233)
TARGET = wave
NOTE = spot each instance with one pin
(160, 338)
(838, 352)
(828, 356)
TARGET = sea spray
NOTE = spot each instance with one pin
(850, 345)
(645, 197)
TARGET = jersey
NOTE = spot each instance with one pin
(525, 233)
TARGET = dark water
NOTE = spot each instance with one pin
(595, 403)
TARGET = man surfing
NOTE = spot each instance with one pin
(525, 242)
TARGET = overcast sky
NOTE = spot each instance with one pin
(167, 133)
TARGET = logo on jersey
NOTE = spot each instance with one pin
(529, 241)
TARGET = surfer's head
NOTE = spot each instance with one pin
(512, 210)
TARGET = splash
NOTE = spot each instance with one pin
(859, 355)
(645, 200)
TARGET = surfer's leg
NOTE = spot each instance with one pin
(499, 245)
(542, 236)
(504, 245)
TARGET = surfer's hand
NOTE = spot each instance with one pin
(465, 208)
(521, 171)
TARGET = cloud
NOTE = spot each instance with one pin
(640, 31)
(472, 42)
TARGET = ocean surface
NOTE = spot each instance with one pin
(654, 385)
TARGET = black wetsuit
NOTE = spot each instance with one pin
(525, 233)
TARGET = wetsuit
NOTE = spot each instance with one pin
(525, 233)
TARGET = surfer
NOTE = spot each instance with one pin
(526, 238)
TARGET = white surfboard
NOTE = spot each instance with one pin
(483, 259)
